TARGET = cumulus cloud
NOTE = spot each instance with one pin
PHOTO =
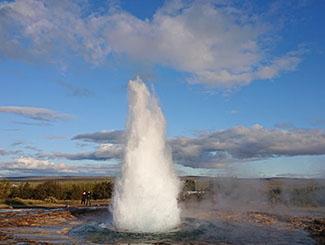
(102, 153)
(35, 29)
(32, 164)
(24, 166)
(243, 144)
(215, 149)
(218, 44)
(36, 113)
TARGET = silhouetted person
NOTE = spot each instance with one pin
(83, 198)
(88, 197)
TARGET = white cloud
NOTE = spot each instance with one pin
(218, 148)
(26, 166)
(245, 144)
(30, 163)
(31, 29)
(219, 46)
(102, 153)
(36, 113)
(216, 44)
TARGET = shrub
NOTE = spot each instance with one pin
(53, 189)
(102, 190)
(15, 202)
(47, 189)
(4, 189)
(51, 200)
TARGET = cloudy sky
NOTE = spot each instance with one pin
(241, 83)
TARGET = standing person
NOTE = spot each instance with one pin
(83, 198)
(88, 203)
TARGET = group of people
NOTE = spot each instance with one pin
(85, 198)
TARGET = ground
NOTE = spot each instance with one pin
(258, 209)
(52, 225)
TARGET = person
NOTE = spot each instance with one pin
(88, 203)
(83, 198)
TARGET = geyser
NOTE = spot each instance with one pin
(145, 197)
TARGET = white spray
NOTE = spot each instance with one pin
(145, 198)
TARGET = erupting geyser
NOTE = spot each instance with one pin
(145, 198)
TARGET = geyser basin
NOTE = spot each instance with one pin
(145, 197)
(195, 231)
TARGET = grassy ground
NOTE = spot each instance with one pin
(22, 203)
(276, 191)
(53, 191)
(62, 180)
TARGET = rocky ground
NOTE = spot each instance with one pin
(314, 225)
(45, 226)
(52, 226)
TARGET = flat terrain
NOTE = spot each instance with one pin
(52, 226)
(30, 203)
(267, 211)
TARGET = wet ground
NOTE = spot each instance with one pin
(35, 226)
(93, 226)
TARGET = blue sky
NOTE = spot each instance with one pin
(241, 84)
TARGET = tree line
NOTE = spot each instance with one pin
(60, 191)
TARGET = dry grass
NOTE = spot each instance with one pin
(19, 203)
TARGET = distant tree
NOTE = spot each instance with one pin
(74, 192)
(48, 189)
(67, 194)
(26, 191)
(103, 190)
(53, 189)
(14, 191)
(4, 189)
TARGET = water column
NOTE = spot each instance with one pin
(145, 197)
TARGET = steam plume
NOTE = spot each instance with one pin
(145, 198)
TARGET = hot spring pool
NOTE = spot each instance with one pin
(194, 231)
